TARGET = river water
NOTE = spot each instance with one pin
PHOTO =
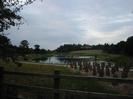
(62, 60)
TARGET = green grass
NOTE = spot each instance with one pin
(120, 59)
(99, 53)
(35, 68)
(87, 52)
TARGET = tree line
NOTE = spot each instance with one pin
(10, 51)
(72, 47)
(122, 47)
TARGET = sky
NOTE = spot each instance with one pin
(51, 23)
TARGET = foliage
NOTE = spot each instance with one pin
(5, 47)
(4, 41)
(9, 13)
(129, 46)
(9, 51)
(72, 47)
(24, 44)
(122, 47)
(37, 48)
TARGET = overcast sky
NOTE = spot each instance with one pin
(52, 23)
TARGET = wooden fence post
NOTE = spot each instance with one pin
(1, 83)
(56, 84)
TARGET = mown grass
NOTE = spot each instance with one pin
(99, 53)
(121, 60)
(75, 84)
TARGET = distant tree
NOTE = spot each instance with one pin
(37, 48)
(43, 51)
(121, 47)
(129, 46)
(106, 47)
(72, 47)
(24, 44)
(24, 48)
(113, 49)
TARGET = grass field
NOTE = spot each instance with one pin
(99, 53)
(119, 59)
(85, 85)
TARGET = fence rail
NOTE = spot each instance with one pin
(107, 79)
(91, 94)
(56, 89)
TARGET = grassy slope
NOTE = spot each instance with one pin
(88, 85)
(97, 53)
(104, 56)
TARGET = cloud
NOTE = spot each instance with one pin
(54, 22)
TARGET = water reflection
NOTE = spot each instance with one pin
(64, 60)
(53, 60)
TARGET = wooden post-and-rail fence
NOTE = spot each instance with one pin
(56, 89)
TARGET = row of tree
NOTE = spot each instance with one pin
(72, 47)
(7, 50)
(122, 47)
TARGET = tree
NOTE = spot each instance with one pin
(24, 44)
(24, 48)
(9, 13)
(121, 47)
(37, 48)
(4, 44)
(129, 46)
(106, 47)
(7, 50)
(4, 41)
